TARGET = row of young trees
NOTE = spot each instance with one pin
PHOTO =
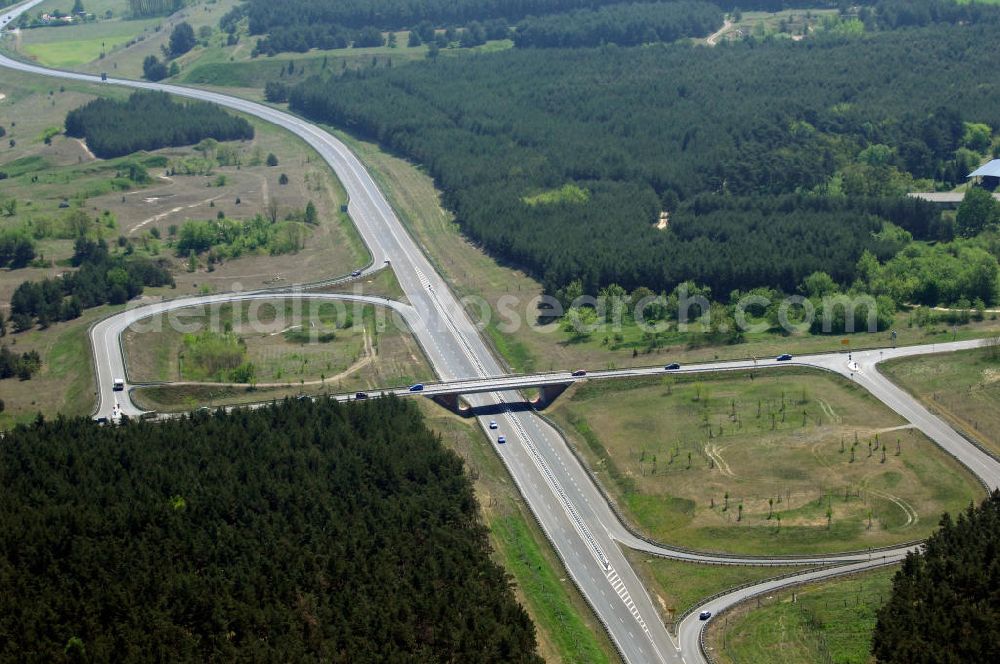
(102, 278)
(150, 121)
(818, 305)
(297, 532)
(654, 129)
(300, 38)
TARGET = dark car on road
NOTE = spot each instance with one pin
(704, 615)
(579, 372)
(358, 396)
(419, 387)
(784, 358)
(672, 366)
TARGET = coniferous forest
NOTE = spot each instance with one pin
(297, 532)
(643, 130)
(267, 15)
(945, 603)
(150, 121)
(624, 25)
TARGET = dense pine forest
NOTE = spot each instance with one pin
(150, 121)
(297, 25)
(945, 603)
(265, 15)
(624, 25)
(298, 532)
(640, 131)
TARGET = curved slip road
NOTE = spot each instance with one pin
(106, 334)
(535, 453)
(569, 507)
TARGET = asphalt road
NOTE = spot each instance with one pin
(569, 507)
(535, 454)
(106, 334)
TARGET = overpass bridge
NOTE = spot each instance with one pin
(550, 385)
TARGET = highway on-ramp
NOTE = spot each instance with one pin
(535, 455)
(571, 510)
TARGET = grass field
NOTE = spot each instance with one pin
(963, 388)
(786, 462)
(340, 346)
(567, 629)
(65, 383)
(831, 621)
(677, 586)
(68, 47)
(214, 62)
(44, 176)
(232, 66)
(73, 45)
(125, 42)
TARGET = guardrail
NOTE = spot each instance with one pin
(283, 292)
(722, 593)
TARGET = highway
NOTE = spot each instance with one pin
(552, 482)
(570, 508)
